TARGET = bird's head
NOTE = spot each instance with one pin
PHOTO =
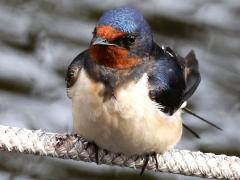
(121, 39)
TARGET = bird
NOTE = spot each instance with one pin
(128, 92)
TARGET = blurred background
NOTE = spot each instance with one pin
(38, 40)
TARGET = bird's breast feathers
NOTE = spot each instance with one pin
(129, 122)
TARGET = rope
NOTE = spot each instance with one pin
(66, 146)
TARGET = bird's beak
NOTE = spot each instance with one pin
(101, 41)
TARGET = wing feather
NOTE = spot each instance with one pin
(73, 70)
(172, 79)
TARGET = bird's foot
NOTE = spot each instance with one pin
(146, 160)
(60, 140)
(95, 150)
(155, 157)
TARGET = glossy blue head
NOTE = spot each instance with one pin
(125, 27)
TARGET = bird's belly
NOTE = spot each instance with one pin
(130, 122)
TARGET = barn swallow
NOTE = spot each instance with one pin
(127, 91)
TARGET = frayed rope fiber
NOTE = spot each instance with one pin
(38, 142)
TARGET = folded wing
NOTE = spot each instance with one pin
(172, 79)
(73, 71)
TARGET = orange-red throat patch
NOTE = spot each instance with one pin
(108, 32)
(113, 57)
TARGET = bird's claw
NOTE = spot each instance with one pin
(146, 160)
(95, 150)
(61, 139)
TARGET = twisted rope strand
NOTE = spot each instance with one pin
(66, 146)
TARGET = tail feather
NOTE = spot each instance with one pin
(201, 118)
(191, 74)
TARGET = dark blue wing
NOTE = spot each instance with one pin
(73, 69)
(172, 79)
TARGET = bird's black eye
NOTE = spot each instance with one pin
(129, 39)
(125, 41)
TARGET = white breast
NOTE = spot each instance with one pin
(130, 123)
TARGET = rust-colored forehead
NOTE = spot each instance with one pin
(108, 32)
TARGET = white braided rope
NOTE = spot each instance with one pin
(72, 147)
